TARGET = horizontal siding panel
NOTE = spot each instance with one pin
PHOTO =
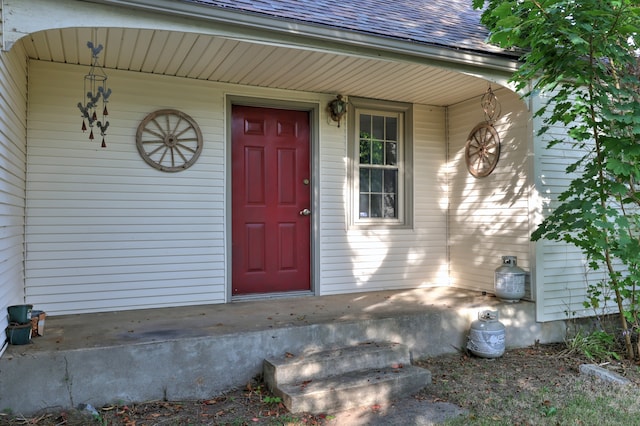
(76, 285)
(388, 261)
(489, 217)
(156, 260)
(380, 259)
(71, 289)
(127, 302)
(66, 234)
(101, 223)
(11, 269)
(561, 267)
(113, 216)
(136, 293)
(84, 241)
(13, 121)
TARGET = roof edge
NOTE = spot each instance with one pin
(317, 36)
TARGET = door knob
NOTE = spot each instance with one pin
(305, 212)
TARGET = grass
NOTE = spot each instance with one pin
(539, 385)
(584, 402)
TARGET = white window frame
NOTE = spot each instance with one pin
(404, 202)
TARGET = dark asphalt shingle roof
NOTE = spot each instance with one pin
(447, 23)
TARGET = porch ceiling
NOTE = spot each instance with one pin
(215, 58)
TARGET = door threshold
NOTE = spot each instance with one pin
(269, 296)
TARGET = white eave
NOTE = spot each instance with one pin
(183, 39)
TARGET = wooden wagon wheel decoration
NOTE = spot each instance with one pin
(169, 140)
(482, 150)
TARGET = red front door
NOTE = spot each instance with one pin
(270, 192)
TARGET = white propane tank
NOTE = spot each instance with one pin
(487, 336)
(509, 280)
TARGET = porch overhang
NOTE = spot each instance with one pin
(319, 58)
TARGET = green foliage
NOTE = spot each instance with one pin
(271, 399)
(598, 346)
(585, 53)
(548, 410)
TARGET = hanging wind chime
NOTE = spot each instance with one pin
(97, 94)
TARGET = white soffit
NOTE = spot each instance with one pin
(207, 57)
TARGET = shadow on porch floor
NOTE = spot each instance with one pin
(199, 351)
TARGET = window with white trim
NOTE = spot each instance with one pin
(380, 156)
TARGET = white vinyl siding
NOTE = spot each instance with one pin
(13, 119)
(105, 231)
(561, 267)
(381, 259)
(489, 216)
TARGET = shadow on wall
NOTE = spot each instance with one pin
(489, 216)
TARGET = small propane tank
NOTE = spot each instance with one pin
(487, 336)
(509, 280)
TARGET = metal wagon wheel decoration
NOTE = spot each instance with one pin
(169, 140)
(482, 150)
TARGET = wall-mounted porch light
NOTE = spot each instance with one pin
(337, 108)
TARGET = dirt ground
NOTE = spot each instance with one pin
(475, 384)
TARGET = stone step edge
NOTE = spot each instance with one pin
(331, 391)
(356, 377)
(325, 363)
(290, 359)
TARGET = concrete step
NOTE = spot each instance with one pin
(319, 364)
(355, 389)
(339, 379)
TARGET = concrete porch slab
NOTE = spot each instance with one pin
(199, 351)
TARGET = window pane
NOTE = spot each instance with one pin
(391, 181)
(376, 205)
(379, 167)
(391, 153)
(389, 205)
(392, 129)
(364, 205)
(365, 126)
(378, 127)
(376, 180)
(364, 180)
(365, 151)
(377, 152)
